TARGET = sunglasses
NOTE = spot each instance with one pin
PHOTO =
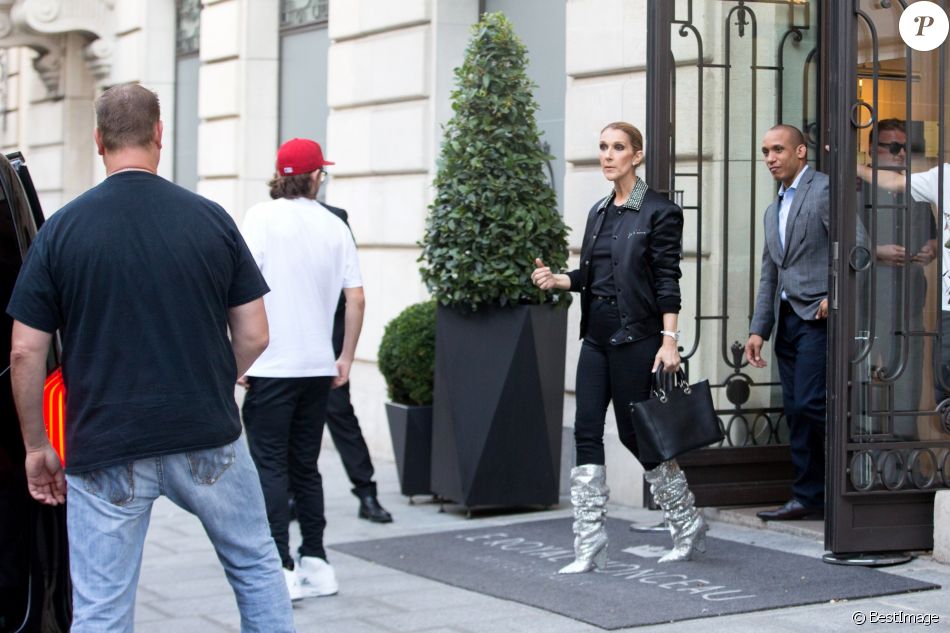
(894, 147)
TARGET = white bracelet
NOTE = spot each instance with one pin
(673, 335)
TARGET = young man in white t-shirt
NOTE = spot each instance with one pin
(307, 256)
(925, 188)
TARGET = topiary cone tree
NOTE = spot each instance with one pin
(500, 344)
(494, 211)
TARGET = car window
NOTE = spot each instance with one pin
(24, 225)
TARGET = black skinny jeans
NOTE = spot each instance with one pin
(608, 372)
(284, 420)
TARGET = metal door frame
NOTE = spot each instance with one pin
(757, 474)
(874, 521)
(855, 521)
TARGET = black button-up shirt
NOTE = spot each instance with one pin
(645, 259)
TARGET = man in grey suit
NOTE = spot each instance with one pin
(793, 301)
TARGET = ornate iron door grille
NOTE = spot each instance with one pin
(296, 14)
(889, 425)
(743, 77)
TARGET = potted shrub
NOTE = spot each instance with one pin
(406, 360)
(500, 342)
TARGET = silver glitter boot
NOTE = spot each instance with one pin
(687, 526)
(589, 494)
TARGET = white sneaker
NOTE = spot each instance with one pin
(293, 584)
(317, 577)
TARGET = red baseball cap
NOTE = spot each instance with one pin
(300, 156)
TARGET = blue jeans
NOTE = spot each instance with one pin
(108, 515)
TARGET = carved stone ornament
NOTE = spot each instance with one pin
(49, 66)
(41, 24)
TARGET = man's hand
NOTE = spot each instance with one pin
(927, 253)
(44, 476)
(822, 309)
(343, 372)
(352, 324)
(753, 351)
(890, 254)
(242, 381)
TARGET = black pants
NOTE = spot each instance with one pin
(801, 352)
(345, 431)
(284, 420)
(605, 373)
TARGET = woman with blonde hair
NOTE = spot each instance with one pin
(628, 280)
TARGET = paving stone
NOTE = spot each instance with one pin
(183, 625)
(340, 607)
(467, 616)
(198, 607)
(191, 587)
(147, 613)
(548, 623)
(438, 596)
(341, 626)
(183, 587)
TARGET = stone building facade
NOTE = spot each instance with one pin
(370, 79)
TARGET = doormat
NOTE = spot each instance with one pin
(519, 562)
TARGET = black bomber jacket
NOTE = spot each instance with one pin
(646, 254)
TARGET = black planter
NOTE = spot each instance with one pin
(499, 398)
(410, 428)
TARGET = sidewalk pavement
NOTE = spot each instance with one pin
(183, 589)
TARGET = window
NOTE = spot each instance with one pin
(541, 25)
(188, 21)
(304, 44)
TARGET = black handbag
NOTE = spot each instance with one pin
(679, 417)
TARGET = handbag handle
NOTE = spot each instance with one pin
(664, 383)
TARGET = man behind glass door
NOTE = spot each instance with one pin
(905, 242)
(793, 301)
(925, 188)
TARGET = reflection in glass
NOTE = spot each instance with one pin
(901, 326)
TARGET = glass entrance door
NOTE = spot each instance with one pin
(873, 112)
(722, 73)
(889, 423)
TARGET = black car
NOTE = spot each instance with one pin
(35, 591)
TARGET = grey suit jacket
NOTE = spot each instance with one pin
(801, 268)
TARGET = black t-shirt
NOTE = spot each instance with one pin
(138, 275)
(602, 264)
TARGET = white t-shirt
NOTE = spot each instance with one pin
(923, 187)
(307, 256)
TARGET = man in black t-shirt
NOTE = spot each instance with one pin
(143, 280)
